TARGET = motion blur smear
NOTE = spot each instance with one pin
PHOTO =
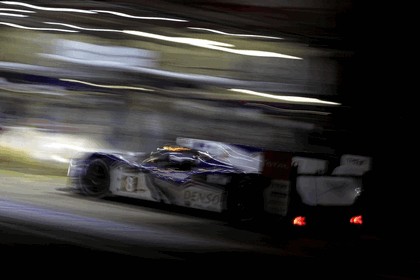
(128, 75)
(134, 75)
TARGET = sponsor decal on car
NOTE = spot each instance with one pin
(203, 199)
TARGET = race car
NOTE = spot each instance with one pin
(175, 175)
(245, 183)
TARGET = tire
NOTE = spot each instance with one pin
(244, 202)
(96, 179)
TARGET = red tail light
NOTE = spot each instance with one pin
(357, 220)
(299, 221)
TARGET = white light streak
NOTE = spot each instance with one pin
(296, 99)
(12, 15)
(82, 28)
(189, 41)
(47, 8)
(60, 146)
(208, 44)
(182, 40)
(138, 17)
(59, 159)
(255, 53)
(106, 86)
(235, 34)
(16, 10)
(35, 28)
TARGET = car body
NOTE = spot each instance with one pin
(172, 175)
(243, 182)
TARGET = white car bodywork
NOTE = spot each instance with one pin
(340, 188)
(139, 185)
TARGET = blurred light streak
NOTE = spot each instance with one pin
(46, 8)
(138, 17)
(254, 53)
(60, 159)
(82, 28)
(12, 15)
(182, 40)
(190, 41)
(208, 44)
(282, 110)
(234, 34)
(36, 28)
(20, 90)
(84, 11)
(16, 10)
(296, 99)
(65, 146)
(106, 86)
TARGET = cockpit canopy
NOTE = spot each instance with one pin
(182, 157)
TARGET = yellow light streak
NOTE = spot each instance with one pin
(106, 86)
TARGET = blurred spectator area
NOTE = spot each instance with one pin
(184, 82)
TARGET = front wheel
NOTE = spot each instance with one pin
(96, 179)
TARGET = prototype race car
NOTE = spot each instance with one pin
(245, 183)
(173, 175)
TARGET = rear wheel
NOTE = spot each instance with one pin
(244, 202)
(96, 179)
